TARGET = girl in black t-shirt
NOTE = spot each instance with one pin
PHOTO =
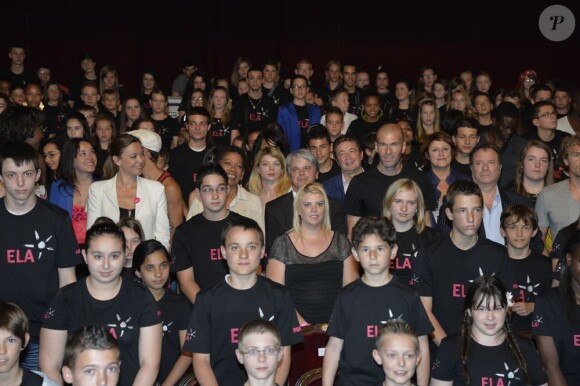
(126, 309)
(486, 352)
(220, 109)
(152, 265)
(404, 206)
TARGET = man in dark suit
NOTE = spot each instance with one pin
(302, 168)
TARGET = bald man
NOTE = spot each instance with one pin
(365, 193)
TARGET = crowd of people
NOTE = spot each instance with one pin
(423, 234)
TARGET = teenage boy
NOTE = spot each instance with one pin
(186, 159)
(334, 121)
(259, 351)
(197, 260)
(465, 137)
(483, 107)
(88, 65)
(545, 121)
(37, 239)
(13, 340)
(532, 270)
(445, 267)
(17, 75)
(91, 357)
(362, 306)
(237, 298)
(297, 116)
(320, 146)
(349, 84)
(254, 109)
(111, 101)
(271, 87)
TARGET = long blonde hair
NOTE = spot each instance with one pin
(405, 185)
(311, 188)
(255, 183)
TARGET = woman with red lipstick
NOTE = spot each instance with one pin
(127, 194)
(404, 206)
(486, 352)
(104, 298)
(312, 261)
(70, 191)
(438, 151)
(151, 265)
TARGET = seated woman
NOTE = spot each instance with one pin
(127, 194)
(71, 190)
(239, 200)
(404, 206)
(438, 150)
(311, 260)
(104, 298)
(486, 350)
(269, 179)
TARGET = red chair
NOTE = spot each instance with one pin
(307, 356)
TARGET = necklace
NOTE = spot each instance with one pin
(255, 105)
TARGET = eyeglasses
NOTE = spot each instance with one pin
(210, 190)
(268, 351)
(299, 87)
(548, 114)
(196, 98)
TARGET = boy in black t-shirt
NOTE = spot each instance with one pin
(37, 239)
(239, 297)
(446, 267)
(197, 260)
(532, 270)
(362, 306)
(91, 353)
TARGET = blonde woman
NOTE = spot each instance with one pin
(311, 260)
(269, 179)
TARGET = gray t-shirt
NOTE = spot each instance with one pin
(556, 207)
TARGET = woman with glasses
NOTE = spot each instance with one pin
(127, 194)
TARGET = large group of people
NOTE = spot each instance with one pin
(431, 231)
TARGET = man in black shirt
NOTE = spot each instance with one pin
(17, 75)
(320, 146)
(365, 193)
(255, 109)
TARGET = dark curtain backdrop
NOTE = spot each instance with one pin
(500, 36)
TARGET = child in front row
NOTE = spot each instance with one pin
(362, 306)
(259, 351)
(533, 271)
(14, 337)
(397, 351)
(92, 357)
(241, 296)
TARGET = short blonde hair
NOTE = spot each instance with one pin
(405, 185)
(311, 188)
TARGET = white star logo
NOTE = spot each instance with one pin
(262, 315)
(123, 324)
(529, 287)
(511, 375)
(40, 244)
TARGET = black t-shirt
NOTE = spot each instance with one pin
(303, 123)
(167, 129)
(175, 311)
(409, 115)
(550, 319)
(221, 311)
(534, 277)
(54, 119)
(487, 365)
(365, 192)
(409, 243)
(358, 313)
(183, 166)
(196, 244)
(334, 171)
(252, 113)
(278, 94)
(355, 101)
(36, 245)
(444, 273)
(124, 315)
(19, 80)
(31, 379)
(464, 169)
(220, 133)
(360, 128)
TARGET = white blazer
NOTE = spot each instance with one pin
(150, 210)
